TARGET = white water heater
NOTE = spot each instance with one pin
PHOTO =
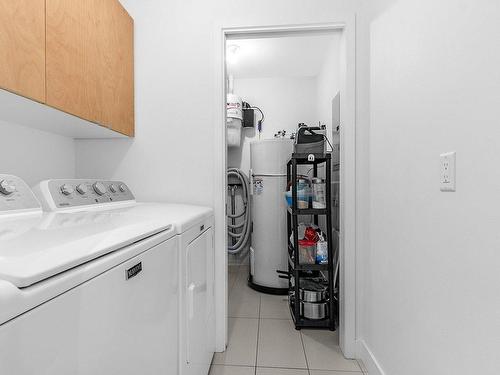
(234, 118)
(268, 252)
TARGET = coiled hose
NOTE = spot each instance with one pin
(242, 236)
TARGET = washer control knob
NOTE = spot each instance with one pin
(82, 189)
(123, 188)
(6, 188)
(99, 188)
(67, 189)
(113, 188)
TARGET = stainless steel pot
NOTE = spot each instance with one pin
(312, 291)
(310, 310)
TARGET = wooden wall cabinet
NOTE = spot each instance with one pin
(90, 61)
(22, 47)
(73, 55)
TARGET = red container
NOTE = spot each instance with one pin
(307, 252)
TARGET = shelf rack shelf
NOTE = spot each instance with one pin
(308, 323)
(296, 270)
(307, 211)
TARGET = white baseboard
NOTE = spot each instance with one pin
(369, 360)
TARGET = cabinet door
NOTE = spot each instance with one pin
(90, 61)
(22, 47)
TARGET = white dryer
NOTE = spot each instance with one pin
(193, 228)
(90, 290)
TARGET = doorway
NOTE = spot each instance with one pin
(292, 92)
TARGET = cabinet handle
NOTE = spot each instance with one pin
(191, 301)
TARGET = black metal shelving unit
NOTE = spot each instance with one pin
(296, 271)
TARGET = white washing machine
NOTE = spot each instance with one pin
(193, 228)
(88, 290)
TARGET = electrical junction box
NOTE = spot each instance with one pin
(248, 118)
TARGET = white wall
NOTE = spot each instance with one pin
(431, 283)
(35, 155)
(328, 84)
(285, 101)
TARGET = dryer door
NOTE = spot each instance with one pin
(199, 304)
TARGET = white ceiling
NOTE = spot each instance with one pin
(285, 56)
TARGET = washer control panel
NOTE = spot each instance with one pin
(16, 196)
(60, 194)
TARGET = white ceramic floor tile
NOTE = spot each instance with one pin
(323, 352)
(231, 370)
(326, 372)
(274, 307)
(242, 281)
(233, 275)
(242, 343)
(231, 280)
(280, 371)
(280, 345)
(243, 304)
(244, 268)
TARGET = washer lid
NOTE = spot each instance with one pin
(182, 216)
(36, 248)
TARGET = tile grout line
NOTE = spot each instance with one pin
(258, 334)
(330, 372)
(302, 369)
(277, 320)
(304, 349)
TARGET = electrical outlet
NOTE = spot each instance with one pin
(447, 176)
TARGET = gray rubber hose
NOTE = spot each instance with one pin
(244, 235)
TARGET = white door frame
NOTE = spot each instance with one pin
(346, 23)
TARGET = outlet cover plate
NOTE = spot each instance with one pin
(448, 171)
